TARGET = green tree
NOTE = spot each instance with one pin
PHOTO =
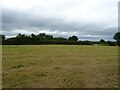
(2, 39)
(117, 36)
(41, 36)
(73, 38)
(102, 41)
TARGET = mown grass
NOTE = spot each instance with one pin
(60, 66)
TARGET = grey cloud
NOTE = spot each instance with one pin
(13, 20)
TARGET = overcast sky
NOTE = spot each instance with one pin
(88, 19)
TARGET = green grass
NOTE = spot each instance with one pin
(60, 66)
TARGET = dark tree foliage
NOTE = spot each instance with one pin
(73, 38)
(110, 43)
(102, 41)
(42, 38)
(85, 43)
(117, 36)
(2, 39)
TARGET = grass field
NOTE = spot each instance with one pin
(60, 66)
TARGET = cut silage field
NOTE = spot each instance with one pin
(59, 66)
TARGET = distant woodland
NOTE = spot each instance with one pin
(42, 38)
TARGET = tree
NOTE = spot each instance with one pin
(2, 39)
(41, 36)
(33, 35)
(73, 38)
(117, 38)
(48, 37)
(60, 39)
(110, 43)
(102, 41)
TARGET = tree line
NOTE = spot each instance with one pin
(42, 38)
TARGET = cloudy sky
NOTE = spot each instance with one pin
(88, 19)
